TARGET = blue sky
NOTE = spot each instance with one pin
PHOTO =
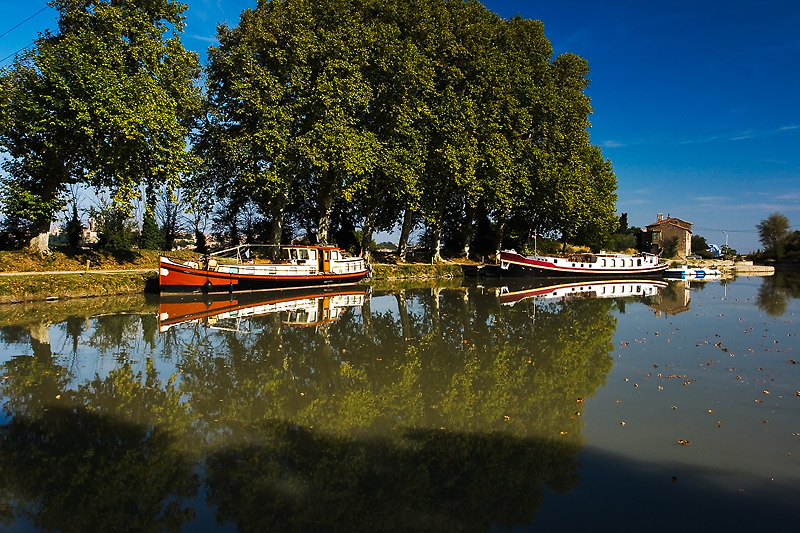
(696, 103)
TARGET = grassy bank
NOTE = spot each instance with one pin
(416, 271)
(22, 261)
(25, 288)
(80, 282)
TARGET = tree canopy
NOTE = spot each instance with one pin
(107, 101)
(772, 231)
(321, 118)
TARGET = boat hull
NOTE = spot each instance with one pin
(604, 267)
(177, 277)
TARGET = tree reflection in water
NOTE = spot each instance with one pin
(446, 411)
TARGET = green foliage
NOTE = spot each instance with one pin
(670, 247)
(728, 252)
(116, 230)
(74, 228)
(772, 232)
(327, 115)
(151, 237)
(699, 244)
(108, 102)
(200, 246)
(25, 212)
(439, 107)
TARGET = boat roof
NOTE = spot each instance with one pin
(281, 246)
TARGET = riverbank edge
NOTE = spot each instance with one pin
(37, 286)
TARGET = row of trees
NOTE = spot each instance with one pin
(316, 119)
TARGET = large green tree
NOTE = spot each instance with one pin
(107, 101)
(389, 110)
(288, 103)
(772, 231)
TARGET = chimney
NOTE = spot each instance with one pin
(659, 217)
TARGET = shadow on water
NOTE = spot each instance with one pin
(75, 470)
(624, 495)
(429, 408)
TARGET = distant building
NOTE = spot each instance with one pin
(89, 233)
(658, 233)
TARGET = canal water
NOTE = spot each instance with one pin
(480, 406)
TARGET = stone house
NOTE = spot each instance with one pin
(663, 229)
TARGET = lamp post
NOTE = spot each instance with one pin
(725, 250)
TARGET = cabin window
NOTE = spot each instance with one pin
(638, 262)
(302, 253)
(604, 262)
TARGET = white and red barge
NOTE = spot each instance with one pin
(293, 267)
(597, 266)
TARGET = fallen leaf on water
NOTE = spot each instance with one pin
(622, 423)
(683, 442)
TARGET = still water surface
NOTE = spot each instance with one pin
(479, 407)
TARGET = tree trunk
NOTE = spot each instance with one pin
(405, 232)
(277, 207)
(402, 310)
(325, 204)
(40, 243)
(467, 230)
(366, 234)
(501, 229)
(436, 244)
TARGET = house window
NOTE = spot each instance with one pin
(656, 235)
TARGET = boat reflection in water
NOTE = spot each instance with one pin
(584, 289)
(299, 307)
